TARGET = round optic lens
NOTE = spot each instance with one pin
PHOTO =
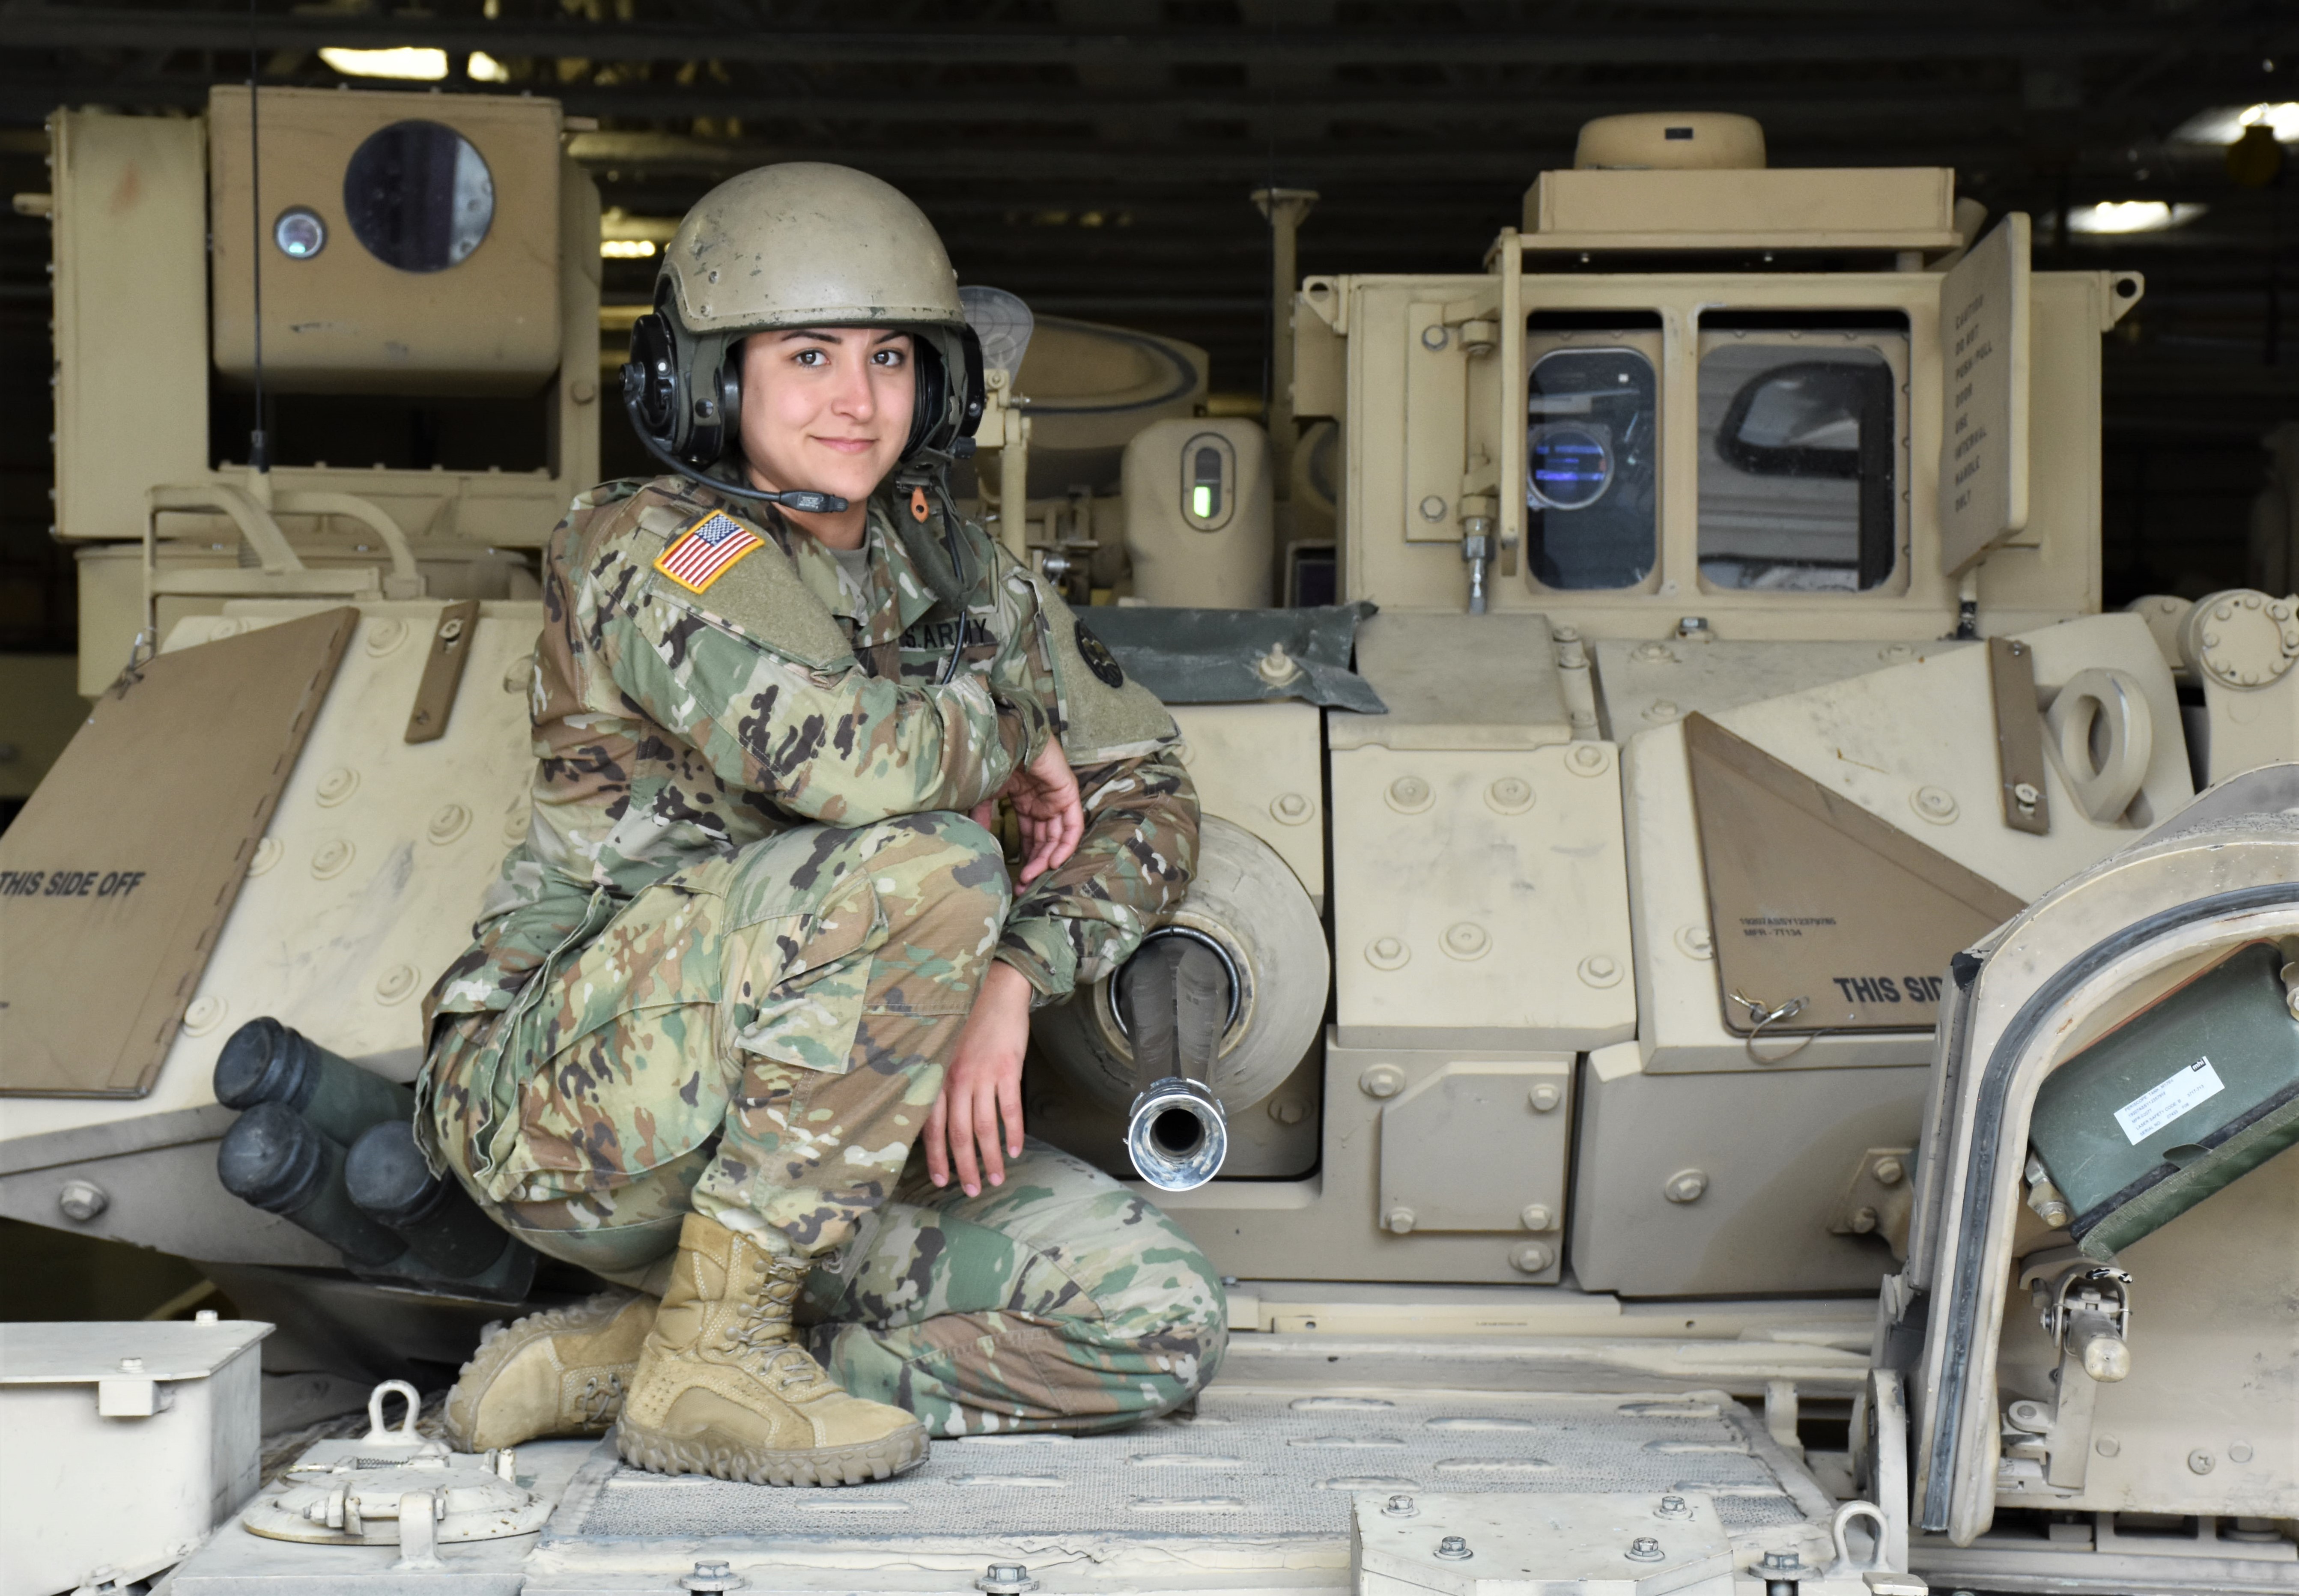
(299, 233)
(1570, 467)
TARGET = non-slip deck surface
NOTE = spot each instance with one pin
(1249, 1466)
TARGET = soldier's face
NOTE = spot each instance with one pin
(826, 408)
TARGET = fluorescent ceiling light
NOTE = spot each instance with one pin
(625, 249)
(485, 68)
(428, 66)
(2131, 216)
(2226, 124)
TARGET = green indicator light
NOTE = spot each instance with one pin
(1201, 501)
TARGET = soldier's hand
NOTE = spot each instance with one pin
(982, 1086)
(1046, 802)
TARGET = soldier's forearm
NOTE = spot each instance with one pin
(1077, 923)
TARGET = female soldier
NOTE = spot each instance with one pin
(758, 945)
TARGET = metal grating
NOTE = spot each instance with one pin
(1249, 1466)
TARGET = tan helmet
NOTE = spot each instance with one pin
(803, 243)
(807, 245)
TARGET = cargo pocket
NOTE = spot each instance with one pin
(617, 1066)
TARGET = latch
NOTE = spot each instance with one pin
(443, 670)
(2086, 1310)
(2019, 736)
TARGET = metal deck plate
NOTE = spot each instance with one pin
(1262, 1467)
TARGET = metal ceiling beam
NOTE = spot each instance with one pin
(39, 26)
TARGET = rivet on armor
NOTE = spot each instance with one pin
(1292, 808)
(1686, 1186)
(1530, 1258)
(80, 1201)
(204, 1015)
(1399, 1219)
(385, 635)
(1587, 758)
(1696, 941)
(1409, 795)
(336, 785)
(332, 858)
(518, 674)
(448, 822)
(1600, 969)
(1545, 1097)
(1288, 1111)
(1382, 1080)
(395, 984)
(1387, 952)
(1510, 795)
(1466, 940)
(267, 854)
(1936, 804)
(1539, 1216)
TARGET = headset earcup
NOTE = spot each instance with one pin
(730, 400)
(975, 393)
(930, 406)
(654, 362)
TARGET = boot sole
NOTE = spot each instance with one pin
(856, 1465)
(504, 1342)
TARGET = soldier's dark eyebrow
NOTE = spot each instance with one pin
(822, 335)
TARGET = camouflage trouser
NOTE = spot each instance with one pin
(794, 1003)
(759, 1039)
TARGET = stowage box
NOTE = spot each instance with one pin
(127, 1443)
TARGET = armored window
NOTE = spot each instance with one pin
(1803, 458)
(1588, 458)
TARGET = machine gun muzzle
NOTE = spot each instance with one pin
(1179, 995)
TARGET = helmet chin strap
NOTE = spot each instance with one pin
(805, 501)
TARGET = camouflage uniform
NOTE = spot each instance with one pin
(728, 964)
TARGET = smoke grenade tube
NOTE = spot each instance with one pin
(392, 1184)
(273, 1158)
(265, 1061)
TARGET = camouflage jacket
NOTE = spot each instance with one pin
(673, 725)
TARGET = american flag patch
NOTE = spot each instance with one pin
(701, 553)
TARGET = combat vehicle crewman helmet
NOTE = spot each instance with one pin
(802, 244)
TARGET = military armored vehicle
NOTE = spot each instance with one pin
(1760, 1023)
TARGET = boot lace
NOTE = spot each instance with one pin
(763, 1332)
(601, 1397)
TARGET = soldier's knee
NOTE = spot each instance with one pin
(948, 860)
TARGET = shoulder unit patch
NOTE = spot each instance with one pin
(700, 555)
(1099, 659)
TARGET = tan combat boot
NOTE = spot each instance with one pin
(724, 1388)
(558, 1372)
